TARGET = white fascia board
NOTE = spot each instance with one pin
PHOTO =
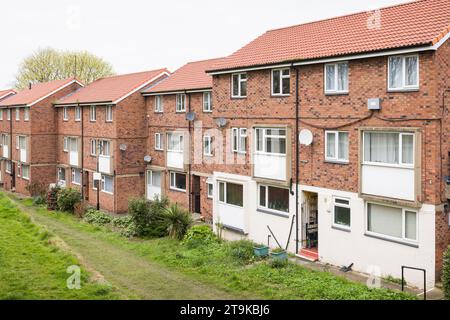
(175, 92)
(53, 92)
(213, 73)
(7, 94)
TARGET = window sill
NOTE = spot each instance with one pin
(403, 90)
(180, 111)
(341, 228)
(107, 192)
(336, 162)
(158, 111)
(282, 215)
(238, 98)
(280, 95)
(159, 149)
(108, 121)
(177, 190)
(231, 228)
(402, 242)
(343, 93)
(207, 111)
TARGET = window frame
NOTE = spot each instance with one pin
(8, 164)
(159, 141)
(240, 81)
(209, 102)
(264, 151)
(173, 187)
(101, 149)
(93, 147)
(281, 77)
(66, 144)
(103, 184)
(236, 147)
(65, 113)
(59, 170)
(1, 114)
(77, 115)
(8, 114)
(109, 117)
(92, 113)
(17, 114)
(159, 104)
(404, 87)
(26, 114)
(207, 152)
(266, 200)
(336, 159)
(181, 144)
(336, 78)
(210, 190)
(180, 103)
(21, 171)
(73, 175)
(341, 205)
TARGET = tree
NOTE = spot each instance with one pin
(50, 64)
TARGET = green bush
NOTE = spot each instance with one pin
(125, 225)
(446, 273)
(178, 221)
(199, 235)
(148, 216)
(67, 199)
(97, 217)
(241, 250)
(52, 198)
(277, 263)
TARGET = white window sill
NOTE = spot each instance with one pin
(177, 190)
(335, 161)
(340, 227)
(159, 111)
(207, 111)
(231, 205)
(238, 97)
(280, 95)
(107, 192)
(405, 242)
(77, 184)
(159, 149)
(412, 89)
(336, 93)
(389, 165)
(180, 111)
(274, 212)
(77, 120)
(108, 121)
(208, 155)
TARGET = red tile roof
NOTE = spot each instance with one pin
(112, 89)
(406, 25)
(191, 76)
(37, 92)
(6, 93)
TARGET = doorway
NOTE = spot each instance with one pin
(153, 184)
(196, 191)
(310, 226)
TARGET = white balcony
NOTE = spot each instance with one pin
(270, 166)
(5, 151)
(23, 155)
(175, 159)
(104, 164)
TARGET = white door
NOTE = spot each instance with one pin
(153, 184)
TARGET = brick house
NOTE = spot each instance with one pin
(180, 109)
(102, 128)
(28, 131)
(344, 128)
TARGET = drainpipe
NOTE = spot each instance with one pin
(13, 167)
(190, 148)
(82, 153)
(297, 155)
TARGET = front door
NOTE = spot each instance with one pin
(310, 220)
(153, 184)
(86, 185)
(196, 194)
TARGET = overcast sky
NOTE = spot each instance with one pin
(143, 35)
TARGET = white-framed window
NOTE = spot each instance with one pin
(93, 147)
(104, 147)
(65, 113)
(341, 212)
(5, 139)
(21, 143)
(231, 193)
(389, 148)
(210, 189)
(76, 176)
(207, 102)
(8, 167)
(158, 141)
(175, 142)
(181, 102)
(1, 114)
(403, 72)
(281, 82)
(239, 140)
(92, 113)
(337, 146)
(8, 114)
(109, 114)
(336, 77)
(77, 113)
(26, 113)
(107, 184)
(159, 104)
(239, 85)
(392, 222)
(66, 144)
(271, 140)
(61, 176)
(17, 114)
(177, 181)
(25, 171)
(273, 199)
(207, 145)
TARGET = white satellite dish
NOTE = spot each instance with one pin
(305, 137)
(190, 116)
(148, 159)
(221, 122)
(123, 147)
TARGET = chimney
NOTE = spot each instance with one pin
(29, 85)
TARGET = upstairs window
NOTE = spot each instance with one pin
(281, 82)
(26, 113)
(271, 140)
(17, 114)
(158, 141)
(159, 104)
(239, 85)
(104, 148)
(239, 140)
(92, 113)
(181, 102)
(109, 114)
(93, 147)
(207, 146)
(389, 148)
(403, 72)
(66, 144)
(77, 113)
(207, 102)
(336, 77)
(8, 114)
(8, 166)
(65, 113)
(175, 142)
(1, 114)
(336, 146)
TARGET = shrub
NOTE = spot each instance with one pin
(148, 216)
(277, 263)
(178, 221)
(241, 250)
(446, 273)
(52, 198)
(38, 191)
(125, 226)
(278, 250)
(67, 199)
(97, 217)
(199, 235)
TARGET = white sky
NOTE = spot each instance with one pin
(143, 35)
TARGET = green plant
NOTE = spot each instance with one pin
(67, 199)
(52, 198)
(241, 250)
(148, 216)
(38, 191)
(178, 221)
(277, 263)
(446, 273)
(97, 217)
(199, 235)
(278, 250)
(125, 225)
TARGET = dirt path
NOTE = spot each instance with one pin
(134, 276)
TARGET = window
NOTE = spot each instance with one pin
(25, 169)
(231, 193)
(281, 82)
(77, 113)
(159, 104)
(8, 166)
(109, 113)
(210, 190)
(336, 77)
(104, 148)
(273, 198)
(107, 184)
(92, 113)
(1, 114)
(390, 148)
(158, 141)
(76, 176)
(177, 181)
(17, 114)
(8, 114)
(207, 146)
(175, 142)
(181, 102)
(21, 142)
(336, 146)
(26, 113)
(65, 113)
(93, 147)
(66, 144)
(5, 140)
(62, 176)
(271, 140)
(207, 102)
(341, 212)
(239, 140)
(239, 85)
(392, 222)
(403, 72)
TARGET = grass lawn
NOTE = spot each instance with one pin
(212, 268)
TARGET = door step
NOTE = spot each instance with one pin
(309, 254)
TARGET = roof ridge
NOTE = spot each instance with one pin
(131, 74)
(204, 60)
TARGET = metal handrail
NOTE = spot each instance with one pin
(424, 279)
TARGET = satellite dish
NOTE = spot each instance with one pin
(123, 147)
(190, 116)
(148, 159)
(305, 137)
(221, 122)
